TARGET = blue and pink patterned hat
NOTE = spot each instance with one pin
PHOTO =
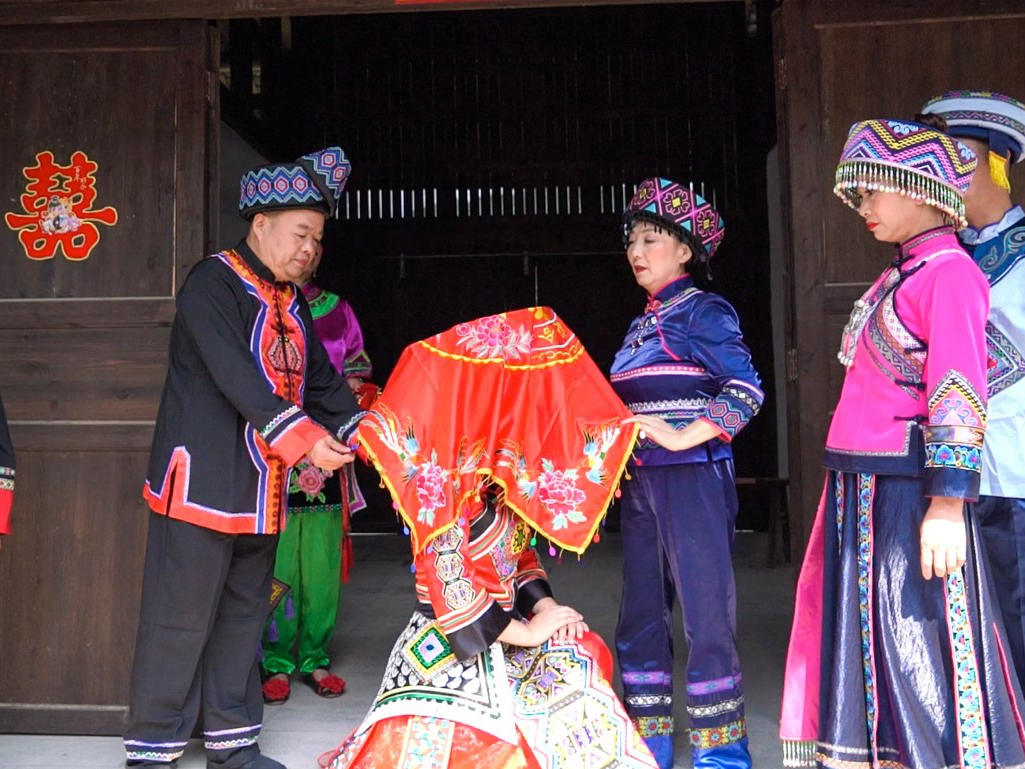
(315, 180)
(680, 210)
(993, 118)
(908, 158)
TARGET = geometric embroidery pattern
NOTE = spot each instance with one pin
(654, 726)
(646, 677)
(725, 416)
(717, 736)
(505, 554)
(731, 409)
(955, 402)
(709, 711)
(277, 186)
(648, 700)
(866, 492)
(697, 688)
(331, 165)
(895, 350)
(839, 495)
(914, 159)
(138, 750)
(1005, 365)
(568, 713)
(957, 422)
(472, 691)
(554, 697)
(296, 184)
(428, 743)
(458, 591)
(429, 651)
(228, 739)
(971, 721)
(671, 203)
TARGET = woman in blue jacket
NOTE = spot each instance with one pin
(686, 374)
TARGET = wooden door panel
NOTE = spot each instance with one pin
(838, 64)
(857, 83)
(68, 633)
(84, 346)
(65, 93)
(83, 373)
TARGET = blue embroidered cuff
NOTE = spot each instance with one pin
(953, 461)
(733, 408)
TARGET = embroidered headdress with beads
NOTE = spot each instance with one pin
(908, 158)
(315, 180)
(680, 210)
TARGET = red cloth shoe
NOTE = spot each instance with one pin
(328, 686)
(276, 691)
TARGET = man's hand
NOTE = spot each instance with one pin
(943, 542)
(330, 454)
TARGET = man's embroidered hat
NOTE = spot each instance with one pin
(990, 117)
(908, 158)
(315, 180)
(680, 210)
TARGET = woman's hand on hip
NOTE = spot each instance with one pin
(668, 437)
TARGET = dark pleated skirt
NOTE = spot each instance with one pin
(911, 672)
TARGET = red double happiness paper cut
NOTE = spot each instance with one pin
(58, 212)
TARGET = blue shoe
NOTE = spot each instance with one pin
(732, 756)
(661, 747)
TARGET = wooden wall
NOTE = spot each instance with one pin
(447, 109)
(84, 349)
(76, 11)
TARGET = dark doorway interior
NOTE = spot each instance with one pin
(493, 153)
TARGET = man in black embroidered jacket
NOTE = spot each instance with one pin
(249, 392)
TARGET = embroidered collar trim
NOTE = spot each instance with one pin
(914, 248)
(973, 237)
(669, 294)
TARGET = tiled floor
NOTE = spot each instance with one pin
(376, 605)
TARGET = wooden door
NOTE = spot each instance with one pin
(838, 63)
(106, 130)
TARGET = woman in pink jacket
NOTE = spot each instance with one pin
(897, 654)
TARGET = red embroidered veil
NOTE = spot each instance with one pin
(512, 400)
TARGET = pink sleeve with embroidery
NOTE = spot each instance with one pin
(953, 302)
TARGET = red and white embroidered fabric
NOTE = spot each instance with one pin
(511, 400)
